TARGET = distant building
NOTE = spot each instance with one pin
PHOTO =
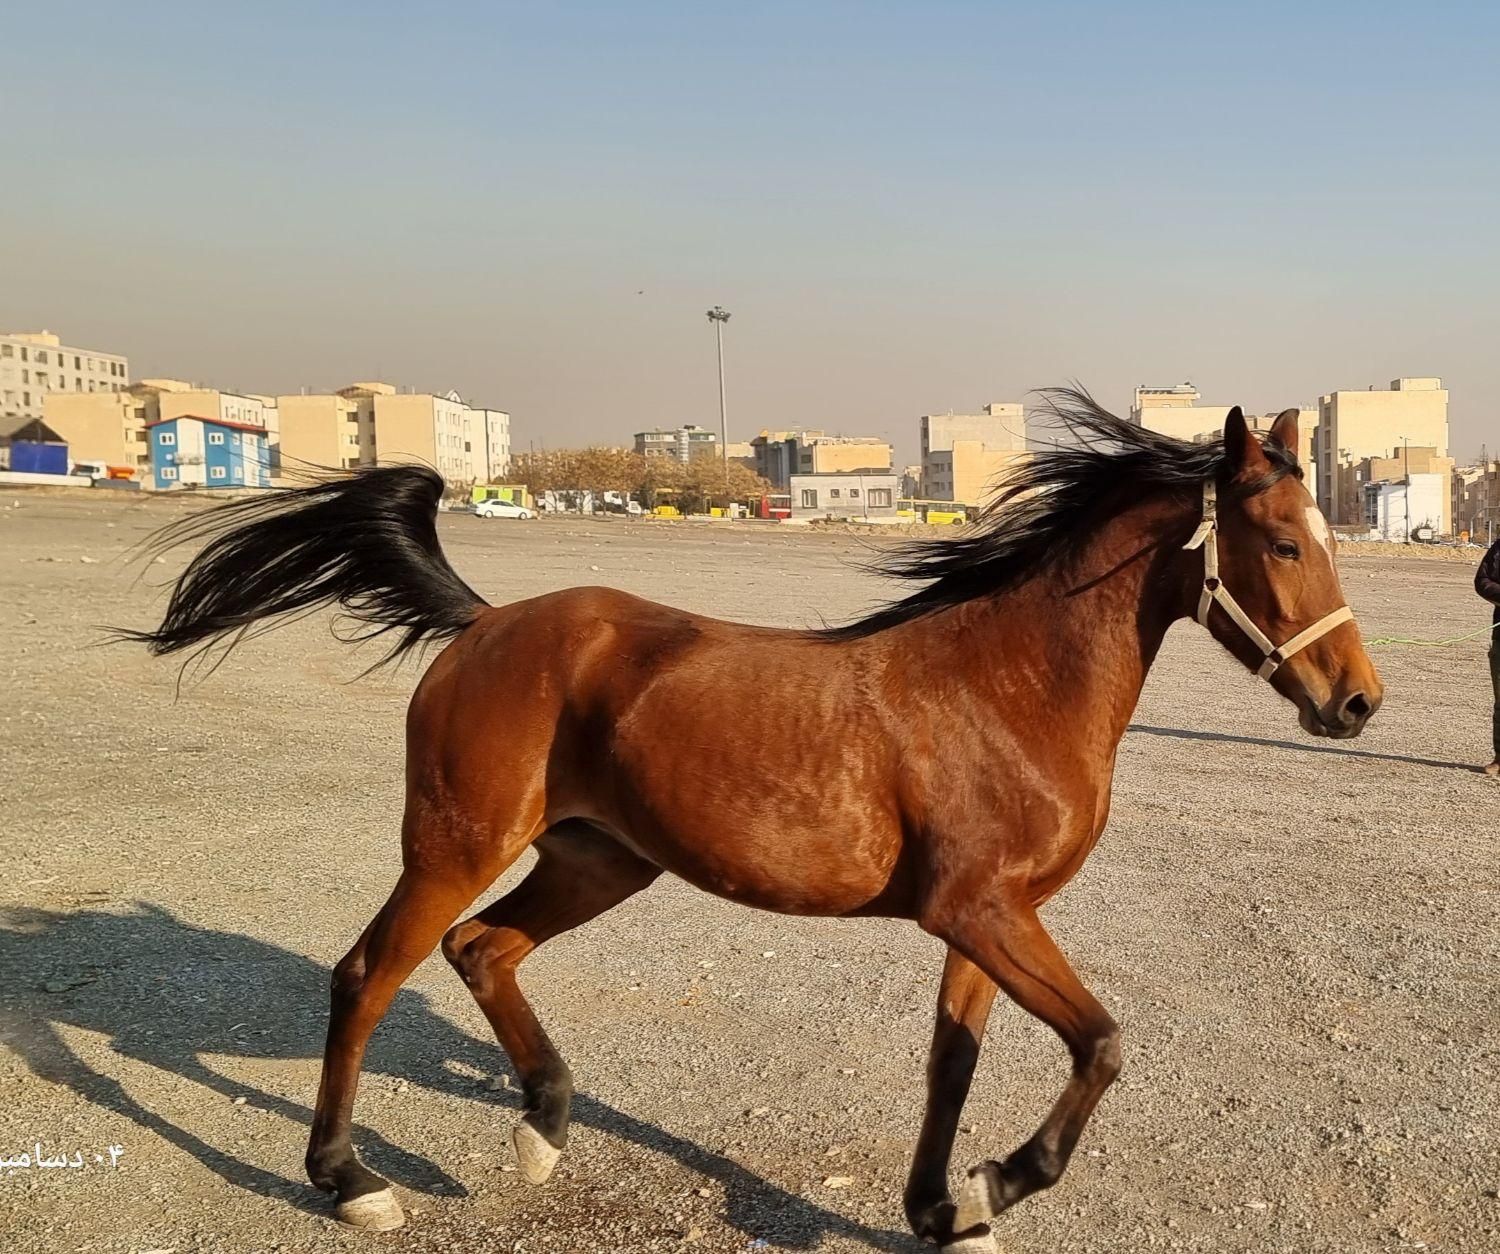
(963, 455)
(335, 431)
(681, 444)
(1476, 501)
(108, 427)
(439, 431)
(35, 364)
(1175, 411)
(192, 450)
(1378, 477)
(845, 495)
(1397, 509)
(30, 446)
(911, 481)
(1353, 426)
(495, 423)
(803, 451)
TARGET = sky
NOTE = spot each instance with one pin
(906, 208)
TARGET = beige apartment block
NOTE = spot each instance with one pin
(35, 364)
(326, 431)
(967, 472)
(1374, 423)
(1175, 411)
(440, 431)
(964, 454)
(107, 427)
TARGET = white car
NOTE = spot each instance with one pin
(496, 508)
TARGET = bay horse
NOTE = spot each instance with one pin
(1031, 633)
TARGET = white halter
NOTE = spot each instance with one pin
(1207, 535)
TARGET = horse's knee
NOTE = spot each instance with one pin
(1098, 1056)
(348, 978)
(1105, 1059)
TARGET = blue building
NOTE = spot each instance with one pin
(194, 452)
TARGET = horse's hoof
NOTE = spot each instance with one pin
(535, 1155)
(982, 1243)
(372, 1212)
(978, 1202)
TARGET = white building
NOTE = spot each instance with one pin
(495, 423)
(1397, 509)
(34, 363)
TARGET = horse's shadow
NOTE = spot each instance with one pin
(166, 992)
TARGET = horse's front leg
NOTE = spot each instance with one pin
(964, 1002)
(1009, 944)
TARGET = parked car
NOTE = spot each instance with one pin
(496, 508)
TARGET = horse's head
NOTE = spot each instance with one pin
(1277, 604)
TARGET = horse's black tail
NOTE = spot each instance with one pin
(366, 540)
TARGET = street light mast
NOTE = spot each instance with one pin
(718, 315)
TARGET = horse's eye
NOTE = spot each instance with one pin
(1285, 548)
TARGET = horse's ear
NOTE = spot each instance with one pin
(1284, 429)
(1242, 451)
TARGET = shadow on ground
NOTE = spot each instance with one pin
(166, 992)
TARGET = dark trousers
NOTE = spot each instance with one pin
(1495, 680)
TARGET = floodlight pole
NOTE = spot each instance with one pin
(719, 316)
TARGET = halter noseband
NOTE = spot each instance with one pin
(1207, 535)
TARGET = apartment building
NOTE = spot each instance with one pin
(1353, 426)
(1175, 411)
(495, 423)
(1476, 502)
(330, 431)
(963, 455)
(440, 431)
(108, 427)
(681, 443)
(778, 455)
(35, 364)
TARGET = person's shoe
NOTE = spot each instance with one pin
(1493, 768)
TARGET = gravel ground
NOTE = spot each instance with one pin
(1299, 939)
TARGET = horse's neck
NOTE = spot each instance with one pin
(1087, 631)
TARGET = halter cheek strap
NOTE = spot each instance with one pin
(1207, 537)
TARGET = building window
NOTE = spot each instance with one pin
(25, 375)
(166, 437)
(236, 437)
(24, 357)
(216, 472)
(880, 498)
(41, 356)
(7, 350)
(854, 494)
(833, 494)
(809, 498)
(78, 363)
(169, 472)
(216, 437)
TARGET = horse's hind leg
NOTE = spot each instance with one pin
(364, 982)
(964, 1002)
(580, 873)
(1011, 947)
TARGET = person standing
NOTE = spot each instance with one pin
(1487, 584)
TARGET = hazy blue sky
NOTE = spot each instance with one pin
(906, 207)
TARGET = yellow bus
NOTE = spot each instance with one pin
(934, 513)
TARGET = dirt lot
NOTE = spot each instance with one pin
(1308, 990)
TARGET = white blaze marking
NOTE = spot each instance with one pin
(1318, 525)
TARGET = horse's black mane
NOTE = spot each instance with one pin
(1050, 504)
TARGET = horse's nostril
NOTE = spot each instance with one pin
(1357, 707)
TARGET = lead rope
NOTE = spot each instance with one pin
(1207, 537)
